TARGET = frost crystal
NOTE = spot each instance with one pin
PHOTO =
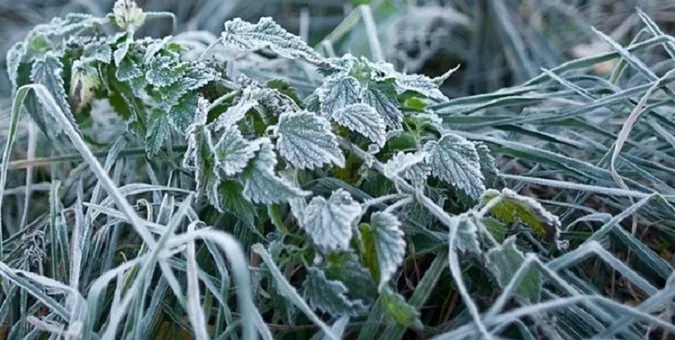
(389, 244)
(455, 160)
(329, 222)
(307, 141)
(363, 119)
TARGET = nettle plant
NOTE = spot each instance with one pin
(340, 186)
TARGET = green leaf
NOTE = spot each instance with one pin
(337, 93)
(47, 70)
(363, 119)
(127, 70)
(410, 166)
(394, 306)
(329, 222)
(513, 208)
(13, 60)
(236, 112)
(307, 142)
(233, 151)
(262, 185)
(505, 260)
(158, 130)
(121, 52)
(182, 114)
(467, 234)
(243, 36)
(389, 244)
(383, 99)
(345, 266)
(163, 71)
(455, 160)
(329, 296)
(99, 50)
(487, 165)
(420, 84)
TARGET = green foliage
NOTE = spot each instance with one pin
(343, 179)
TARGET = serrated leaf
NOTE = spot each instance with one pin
(194, 78)
(467, 234)
(121, 52)
(200, 157)
(47, 70)
(163, 72)
(182, 114)
(455, 160)
(154, 48)
(487, 165)
(233, 151)
(127, 70)
(337, 93)
(363, 119)
(517, 208)
(99, 51)
(158, 130)
(410, 166)
(262, 185)
(244, 36)
(238, 110)
(505, 260)
(307, 142)
(329, 222)
(274, 102)
(345, 266)
(329, 296)
(397, 309)
(389, 244)
(13, 59)
(420, 84)
(383, 99)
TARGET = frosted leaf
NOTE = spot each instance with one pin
(346, 267)
(199, 157)
(233, 151)
(410, 166)
(307, 142)
(238, 111)
(194, 78)
(363, 119)
(383, 99)
(244, 37)
(99, 50)
(466, 239)
(329, 222)
(154, 48)
(389, 244)
(262, 185)
(454, 160)
(338, 92)
(182, 114)
(275, 103)
(487, 165)
(128, 15)
(84, 80)
(14, 57)
(47, 70)
(157, 131)
(505, 260)
(329, 296)
(421, 84)
(121, 51)
(394, 306)
(514, 208)
(163, 72)
(127, 70)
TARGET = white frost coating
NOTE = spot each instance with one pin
(410, 166)
(389, 244)
(455, 160)
(363, 119)
(385, 104)
(233, 151)
(329, 295)
(244, 36)
(307, 142)
(337, 92)
(329, 222)
(262, 185)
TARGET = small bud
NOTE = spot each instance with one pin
(128, 15)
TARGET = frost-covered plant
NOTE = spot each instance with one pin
(335, 185)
